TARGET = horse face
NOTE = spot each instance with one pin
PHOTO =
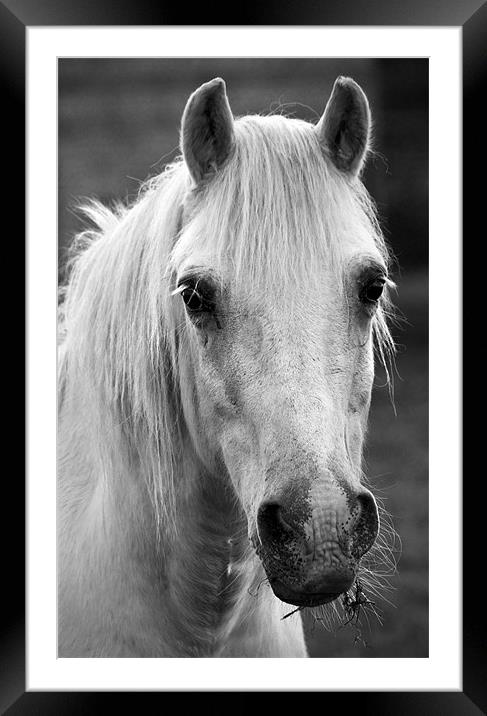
(276, 380)
(282, 390)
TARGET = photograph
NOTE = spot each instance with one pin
(243, 275)
(244, 260)
(243, 357)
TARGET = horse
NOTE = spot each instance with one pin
(216, 364)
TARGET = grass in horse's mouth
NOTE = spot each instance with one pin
(289, 614)
(350, 607)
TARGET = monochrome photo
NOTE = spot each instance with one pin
(243, 357)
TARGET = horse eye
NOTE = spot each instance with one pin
(372, 291)
(192, 299)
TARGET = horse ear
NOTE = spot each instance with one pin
(207, 136)
(344, 128)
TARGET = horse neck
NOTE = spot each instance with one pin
(212, 573)
(189, 587)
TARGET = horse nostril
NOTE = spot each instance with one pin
(368, 506)
(271, 522)
(366, 525)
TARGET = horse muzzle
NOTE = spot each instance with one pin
(312, 561)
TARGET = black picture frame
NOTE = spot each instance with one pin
(471, 15)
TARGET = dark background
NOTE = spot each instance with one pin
(118, 124)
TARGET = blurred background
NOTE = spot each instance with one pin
(119, 123)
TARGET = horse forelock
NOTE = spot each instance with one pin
(277, 208)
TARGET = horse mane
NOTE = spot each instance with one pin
(119, 337)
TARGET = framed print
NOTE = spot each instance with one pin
(102, 118)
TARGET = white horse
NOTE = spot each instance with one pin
(216, 369)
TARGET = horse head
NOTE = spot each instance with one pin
(279, 277)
